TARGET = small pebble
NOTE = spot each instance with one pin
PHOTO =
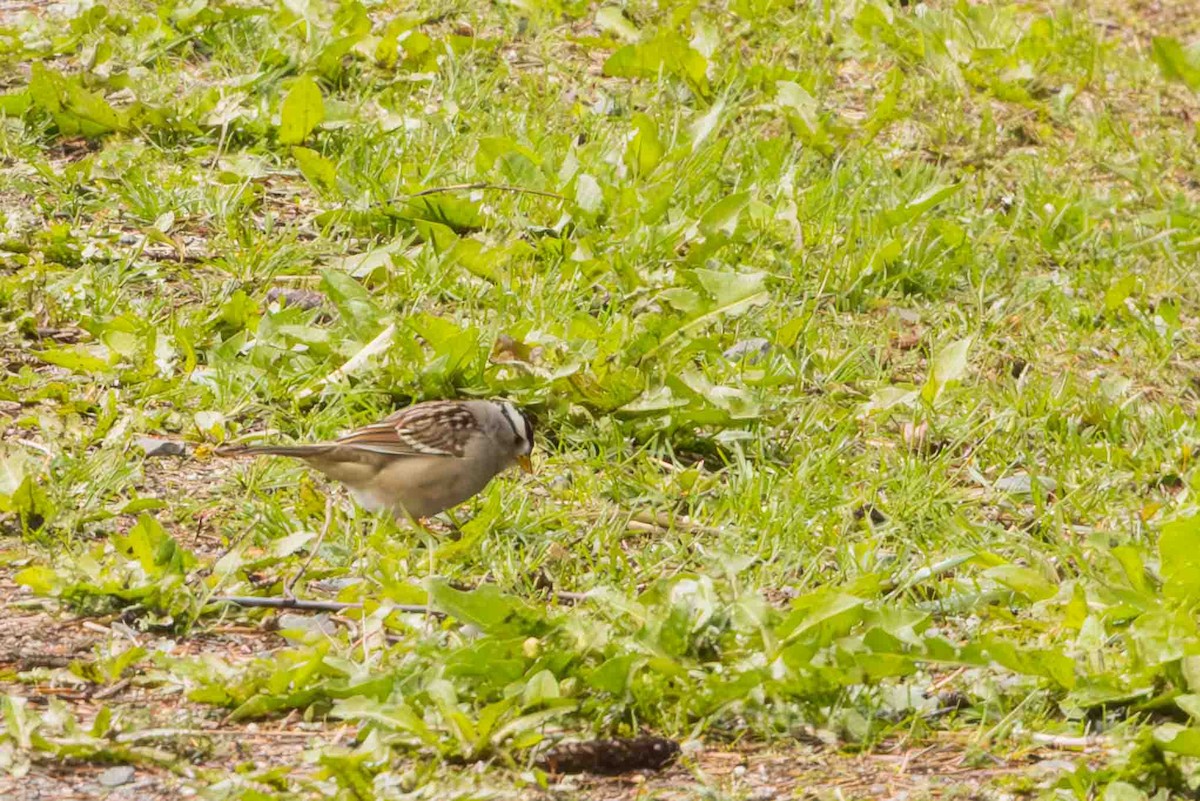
(311, 623)
(752, 350)
(153, 446)
(1022, 484)
(115, 777)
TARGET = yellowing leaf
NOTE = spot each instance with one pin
(949, 366)
(302, 111)
(75, 359)
(644, 150)
(319, 170)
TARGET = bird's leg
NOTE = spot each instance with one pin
(457, 527)
(429, 537)
(312, 552)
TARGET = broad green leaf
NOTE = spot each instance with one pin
(76, 111)
(75, 359)
(459, 215)
(376, 261)
(887, 398)
(920, 204)
(1130, 559)
(520, 165)
(525, 730)
(31, 503)
(1190, 704)
(659, 399)
(1162, 637)
(667, 54)
(15, 104)
(1030, 583)
(486, 608)
(41, 579)
(1179, 558)
(1177, 739)
(822, 613)
(613, 20)
(291, 543)
(722, 217)
(645, 150)
(886, 109)
(613, 676)
(397, 717)
(687, 301)
(1118, 291)
(155, 549)
(1123, 791)
(734, 292)
(588, 194)
(1177, 64)
(19, 721)
(303, 110)
(730, 294)
(1048, 663)
(472, 256)
(542, 687)
(704, 125)
(15, 464)
(885, 665)
(949, 366)
(358, 311)
(319, 170)
(804, 116)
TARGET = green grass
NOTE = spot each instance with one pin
(966, 233)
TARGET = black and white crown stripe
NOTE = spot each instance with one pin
(519, 424)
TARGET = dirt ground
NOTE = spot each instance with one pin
(36, 645)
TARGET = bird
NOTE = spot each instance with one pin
(420, 460)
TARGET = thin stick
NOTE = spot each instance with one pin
(482, 185)
(312, 552)
(294, 603)
(256, 601)
(314, 606)
(436, 190)
(680, 522)
(376, 346)
(937, 686)
(111, 690)
(1067, 742)
(570, 598)
(154, 734)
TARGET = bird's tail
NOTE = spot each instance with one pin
(299, 451)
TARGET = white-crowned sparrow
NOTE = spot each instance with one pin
(420, 460)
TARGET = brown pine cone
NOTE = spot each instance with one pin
(610, 757)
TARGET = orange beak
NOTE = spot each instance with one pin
(526, 463)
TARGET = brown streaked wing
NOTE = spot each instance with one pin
(436, 428)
